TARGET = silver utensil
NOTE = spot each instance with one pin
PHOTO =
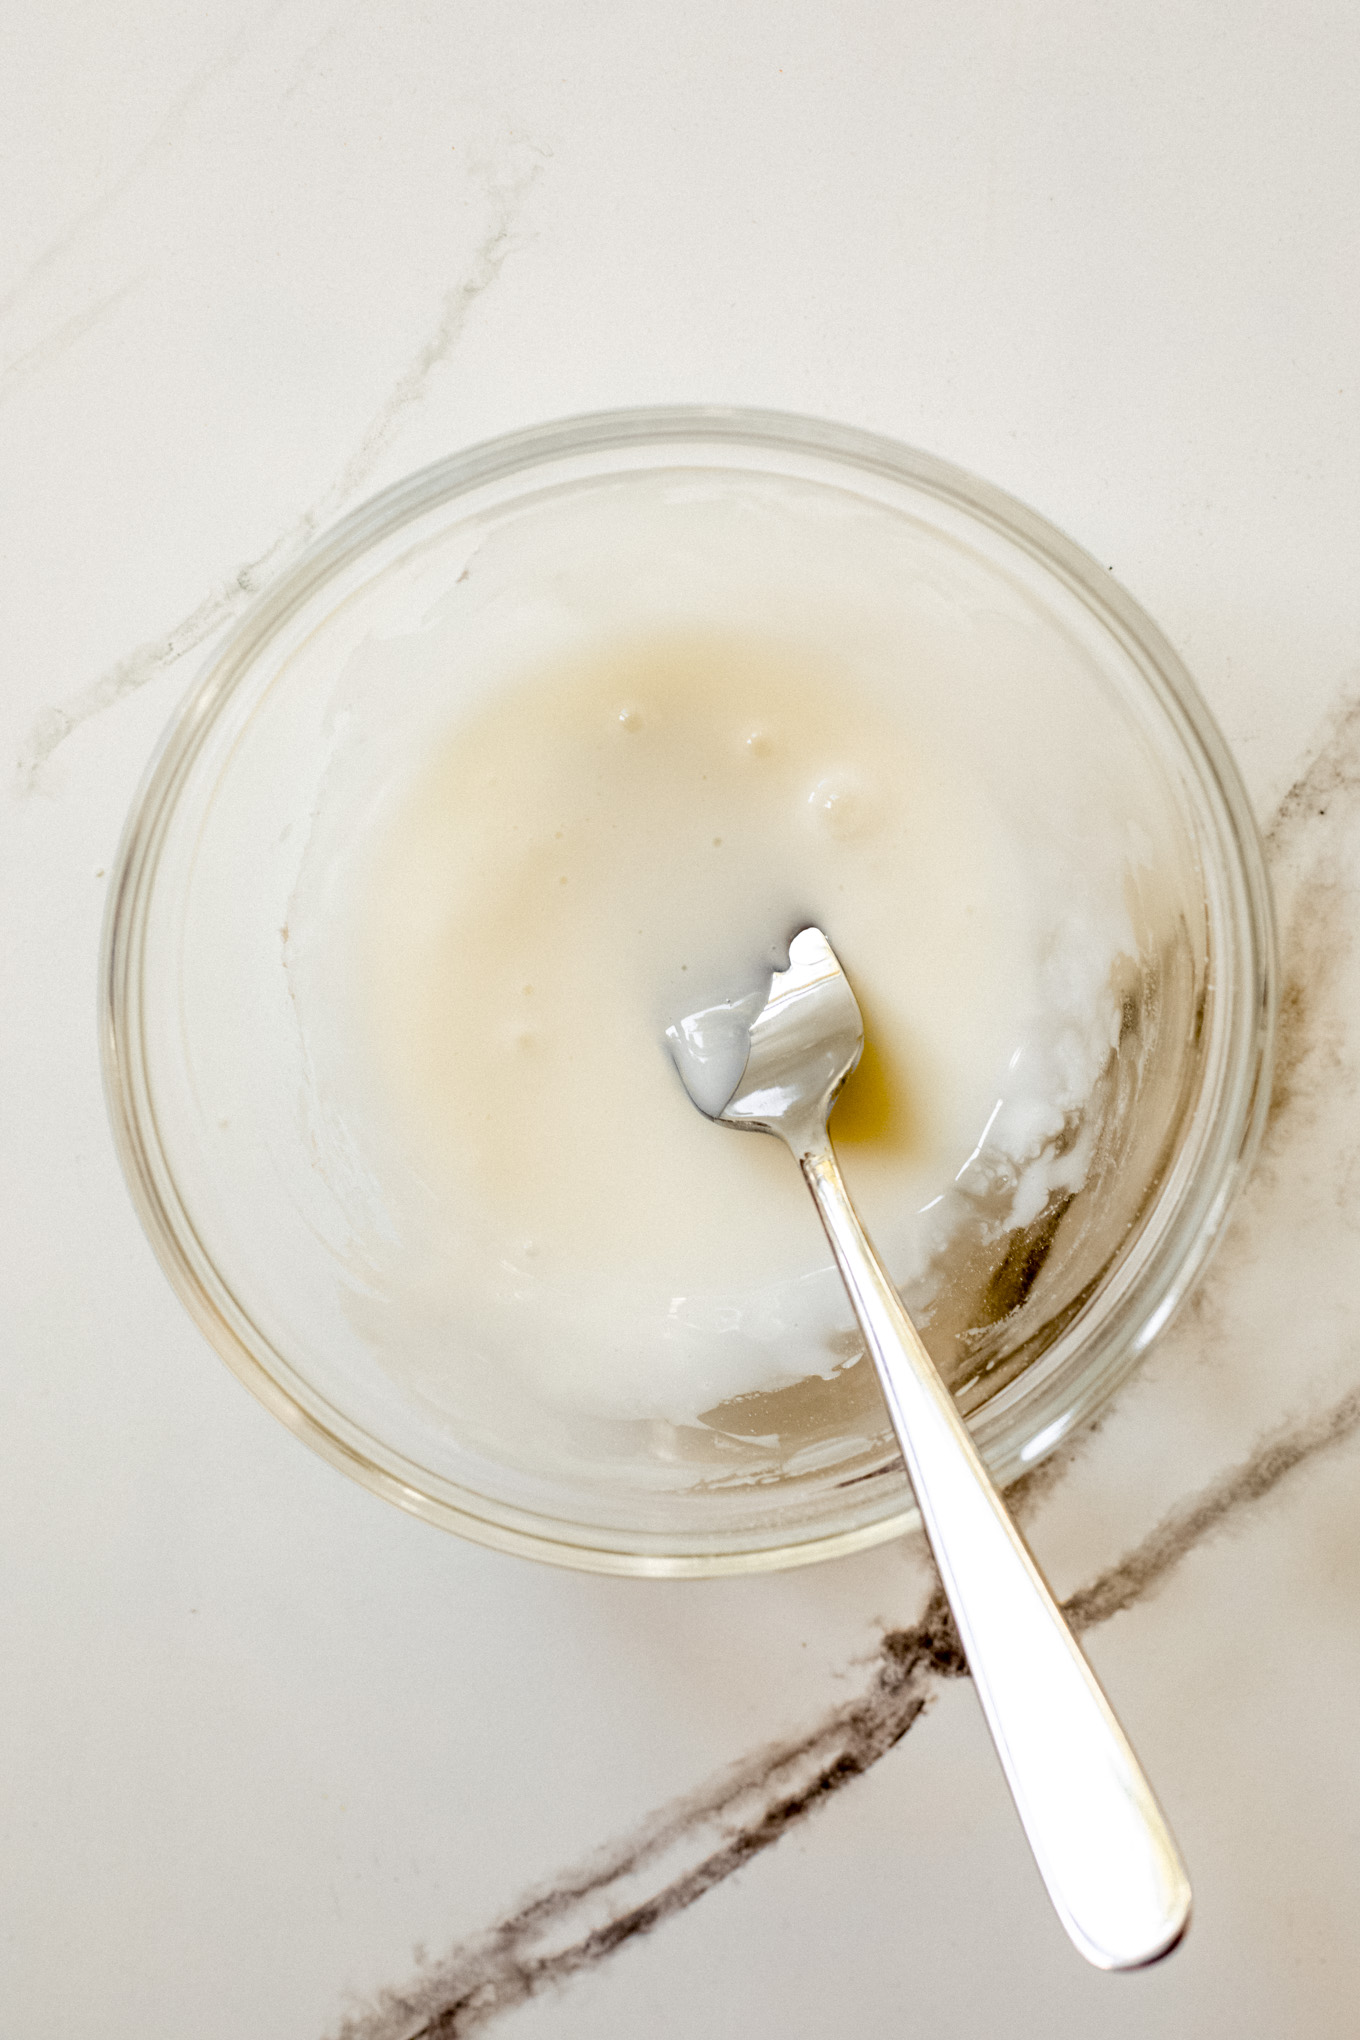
(774, 1064)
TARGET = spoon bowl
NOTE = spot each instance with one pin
(796, 1046)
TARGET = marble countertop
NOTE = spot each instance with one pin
(280, 1762)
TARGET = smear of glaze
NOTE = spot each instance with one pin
(710, 1050)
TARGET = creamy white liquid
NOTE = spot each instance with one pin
(596, 846)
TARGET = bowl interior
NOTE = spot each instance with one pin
(228, 1092)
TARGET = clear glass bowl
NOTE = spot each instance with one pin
(201, 1053)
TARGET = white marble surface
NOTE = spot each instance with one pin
(278, 1761)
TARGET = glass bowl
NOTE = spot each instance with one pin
(207, 1077)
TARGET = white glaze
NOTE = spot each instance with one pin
(597, 845)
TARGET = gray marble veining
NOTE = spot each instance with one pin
(503, 181)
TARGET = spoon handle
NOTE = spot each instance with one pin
(1102, 1845)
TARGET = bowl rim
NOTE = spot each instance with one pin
(1241, 1108)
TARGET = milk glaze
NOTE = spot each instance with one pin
(602, 843)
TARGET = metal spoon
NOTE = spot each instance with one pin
(1102, 1845)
